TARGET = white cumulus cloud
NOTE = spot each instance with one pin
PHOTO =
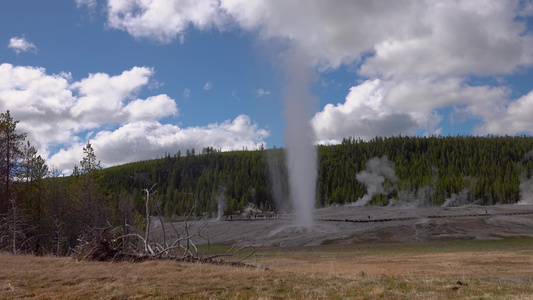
(512, 117)
(138, 140)
(20, 44)
(153, 108)
(364, 114)
(163, 20)
(59, 116)
(386, 108)
(102, 97)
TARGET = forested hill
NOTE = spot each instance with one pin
(383, 171)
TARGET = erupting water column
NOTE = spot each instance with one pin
(299, 138)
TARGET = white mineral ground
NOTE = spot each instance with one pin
(419, 224)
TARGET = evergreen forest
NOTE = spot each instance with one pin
(481, 170)
(43, 212)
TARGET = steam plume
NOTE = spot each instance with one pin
(221, 202)
(408, 199)
(526, 190)
(465, 196)
(526, 184)
(377, 169)
(299, 137)
(458, 199)
(420, 198)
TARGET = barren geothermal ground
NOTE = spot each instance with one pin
(355, 224)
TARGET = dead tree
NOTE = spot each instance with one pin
(126, 209)
(179, 243)
(13, 229)
(59, 238)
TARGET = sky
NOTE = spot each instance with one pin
(140, 79)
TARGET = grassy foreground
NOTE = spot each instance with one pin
(431, 270)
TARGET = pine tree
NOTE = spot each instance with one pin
(31, 193)
(10, 152)
(87, 192)
(88, 164)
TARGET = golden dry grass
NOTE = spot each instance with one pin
(328, 272)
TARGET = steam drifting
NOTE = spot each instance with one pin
(526, 184)
(377, 169)
(299, 137)
(526, 191)
(221, 202)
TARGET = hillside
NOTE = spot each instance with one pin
(421, 171)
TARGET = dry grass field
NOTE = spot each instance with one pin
(466, 269)
(468, 252)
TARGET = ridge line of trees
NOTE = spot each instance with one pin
(42, 212)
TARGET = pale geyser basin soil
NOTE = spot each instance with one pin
(349, 225)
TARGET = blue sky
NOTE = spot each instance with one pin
(143, 78)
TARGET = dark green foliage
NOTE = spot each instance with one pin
(489, 167)
(485, 170)
(239, 178)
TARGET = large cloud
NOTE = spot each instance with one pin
(506, 118)
(446, 37)
(364, 113)
(59, 113)
(149, 139)
(41, 102)
(462, 38)
(422, 72)
(386, 108)
(333, 31)
(422, 54)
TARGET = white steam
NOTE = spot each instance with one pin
(250, 210)
(458, 199)
(526, 191)
(221, 202)
(526, 184)
(299, 136)
(408, 199)
(154, 222)
(377, 170)
(465, 196)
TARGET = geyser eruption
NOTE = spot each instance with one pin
(526, 184)
(526, 190)
(299, 137)
(221, 201)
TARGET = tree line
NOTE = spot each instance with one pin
(431, 170)
(43, 212)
